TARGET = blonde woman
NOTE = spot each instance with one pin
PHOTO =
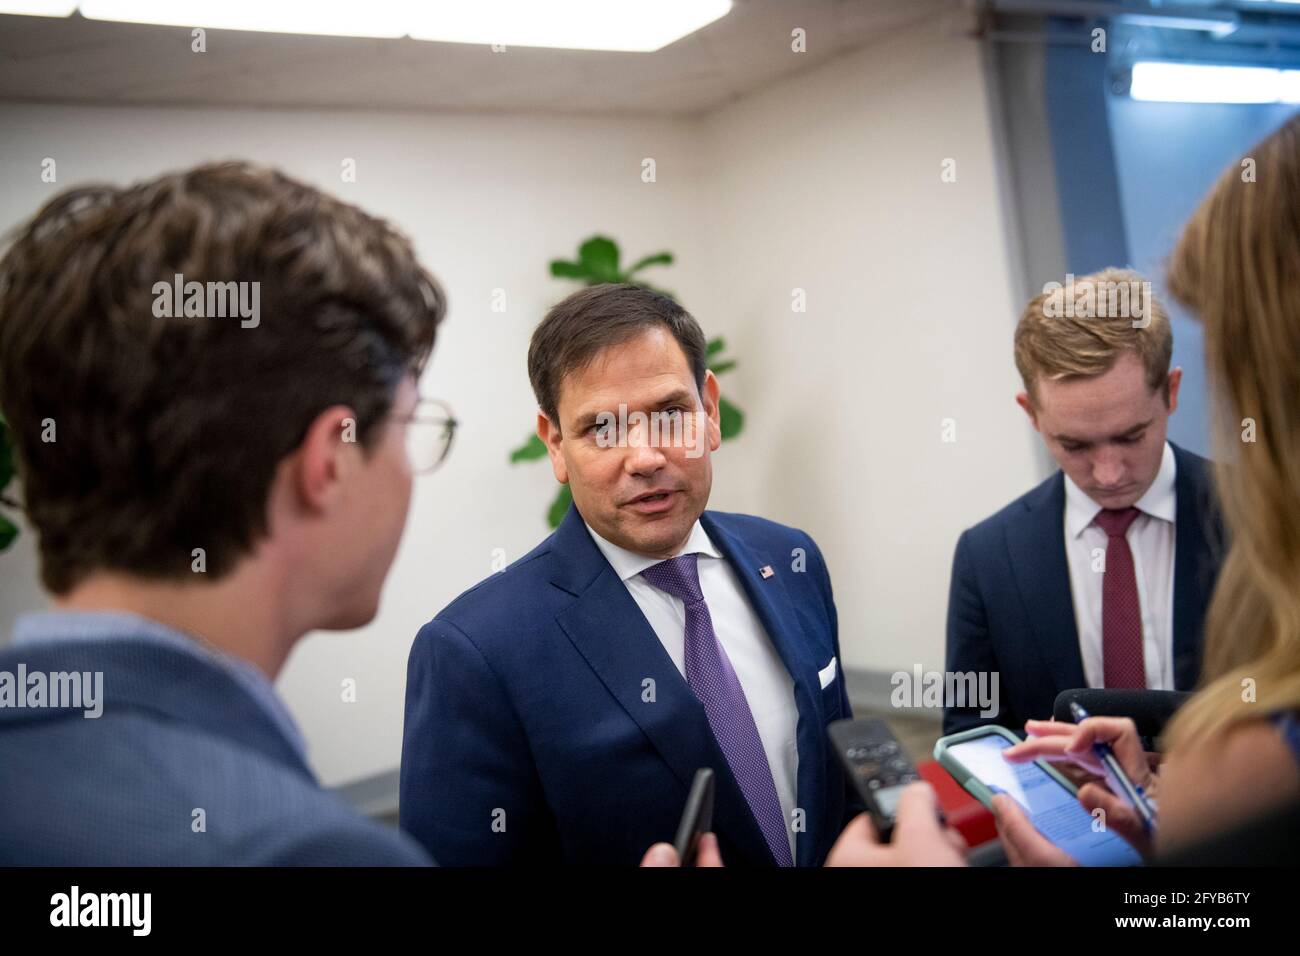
(1233, 751)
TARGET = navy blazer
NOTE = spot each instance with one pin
(1011, 611)
(177, 734)
(530, 733)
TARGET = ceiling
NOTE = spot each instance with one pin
(87, 61)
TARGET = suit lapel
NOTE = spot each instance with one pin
(610, 632)
(1036, 545)
(1193, 567)
(771, 602)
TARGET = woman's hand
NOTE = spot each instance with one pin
(1071, 745)
(1058, 742)
(1025, 846)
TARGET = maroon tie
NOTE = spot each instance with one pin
(1121, 614)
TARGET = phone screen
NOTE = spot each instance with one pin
(1053, 809)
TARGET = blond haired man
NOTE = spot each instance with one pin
(1100, 576)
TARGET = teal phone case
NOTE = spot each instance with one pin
(969, 781)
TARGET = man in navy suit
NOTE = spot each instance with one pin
(207, 486)
(558, 710)
(1100, 576)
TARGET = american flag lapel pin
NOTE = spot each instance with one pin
(766, 571)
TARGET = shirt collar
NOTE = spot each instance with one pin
(1158, 501)
(59, 625)
(628, 564)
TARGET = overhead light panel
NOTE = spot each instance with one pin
(39, 8)
(1218, 23)
(639, 26)
(1162, 82)
(372, 18)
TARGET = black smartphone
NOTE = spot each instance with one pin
(877, 764)
(697, 816)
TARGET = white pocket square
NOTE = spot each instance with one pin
(827, 673)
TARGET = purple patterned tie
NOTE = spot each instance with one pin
(713, 680)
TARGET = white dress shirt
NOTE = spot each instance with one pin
(767, 684)
(1151, 539)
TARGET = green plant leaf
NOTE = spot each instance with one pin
(724, 366)
(8, 531)
(658, 259)
(599, 256)
(530, 450)
(562, 269)
(714, 347)
(730, 419)
(559, 507)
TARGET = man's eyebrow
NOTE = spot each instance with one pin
(1070, 440)
(677, 395)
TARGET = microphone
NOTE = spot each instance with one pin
(1149, 709)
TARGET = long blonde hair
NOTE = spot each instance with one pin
(1237, 265)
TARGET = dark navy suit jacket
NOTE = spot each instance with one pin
(529, 737)
(177, 734)
(1010, 609)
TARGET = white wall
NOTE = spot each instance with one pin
(831, 183)
(828, 182)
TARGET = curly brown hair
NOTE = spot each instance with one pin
(166, 431)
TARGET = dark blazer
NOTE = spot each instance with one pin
(176, 734)
(529, 738)
(1010, 609)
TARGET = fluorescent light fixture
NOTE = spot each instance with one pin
(1213, 83)
(628, 25)
(1216, 23)
(625, 25)
(373, 18)
(1288, 87)
(39, 8)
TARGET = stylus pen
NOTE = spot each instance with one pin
(1116, 777)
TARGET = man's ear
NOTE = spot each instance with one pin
(709, 396)
(329, 451)
(549, 433)
(1023, 400)
(1174, 380)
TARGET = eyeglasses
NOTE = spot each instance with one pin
(430, 428)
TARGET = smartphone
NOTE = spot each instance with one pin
(877, 764)
(697, 816)
(974, 758)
